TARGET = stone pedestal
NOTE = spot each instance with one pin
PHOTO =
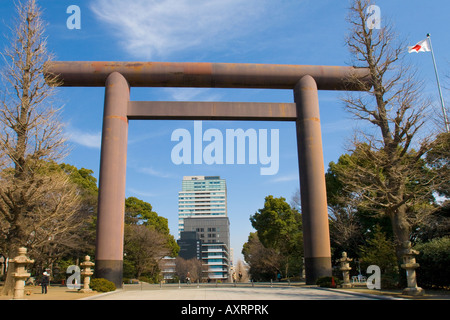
(410, 265)
(20, 273)
(86, 272)
(345, 268)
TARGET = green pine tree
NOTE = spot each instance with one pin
(380, 251)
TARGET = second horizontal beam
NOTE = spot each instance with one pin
(190, 110)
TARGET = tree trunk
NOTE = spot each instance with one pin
(8, 289)
(401, 229)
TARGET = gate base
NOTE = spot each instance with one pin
(317, 267)
(111, 270)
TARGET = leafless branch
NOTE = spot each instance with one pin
(386, 173)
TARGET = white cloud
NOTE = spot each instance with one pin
(90, 140)
(152, 172)
(286, 178)
(158, 28)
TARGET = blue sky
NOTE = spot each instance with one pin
(237, 31)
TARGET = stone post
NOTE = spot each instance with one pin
(20, 274)
(86, 272)
(345, 268)
(410, 265)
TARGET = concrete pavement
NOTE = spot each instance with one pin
(224, 292)
(233, 293)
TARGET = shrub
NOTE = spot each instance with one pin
(102, 285)
(391, 281)
(434, 261)
(326, 282)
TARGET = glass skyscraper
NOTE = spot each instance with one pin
(202, 208)
(201, 196)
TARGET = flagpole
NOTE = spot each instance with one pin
(439, 86)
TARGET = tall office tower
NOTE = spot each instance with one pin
(201, 196)
(202, 208)
(214, 234)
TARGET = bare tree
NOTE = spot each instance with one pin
(37, 202)
(242, 272)
(386, 171)
(345, 228)
(264, 262)
(145, 247)
(192, 268)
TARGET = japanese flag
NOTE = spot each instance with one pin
(420, 46)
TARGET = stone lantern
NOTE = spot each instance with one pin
(86, 272)
(20, 274)
(410, 265)
(345, 268)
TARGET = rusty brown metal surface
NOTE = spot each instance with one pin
(316, 237)
(111, 199)
(177, 110)
(209, 75)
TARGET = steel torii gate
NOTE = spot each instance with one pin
(118, 77)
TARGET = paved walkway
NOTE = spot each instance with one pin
(223, 301)
(53, 293)
(236, 293)
(223, 292)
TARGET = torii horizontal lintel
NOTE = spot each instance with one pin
(208, 75)
(186, 110)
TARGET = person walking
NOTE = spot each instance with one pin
(45, 282)
(188, 278)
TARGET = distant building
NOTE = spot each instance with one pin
(167, 266)
(202, 209)
(201, 196)
(214, 233)
(190, 245)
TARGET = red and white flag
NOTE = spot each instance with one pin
(421, 46)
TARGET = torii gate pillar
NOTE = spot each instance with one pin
(316, 236)
(111, 200)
